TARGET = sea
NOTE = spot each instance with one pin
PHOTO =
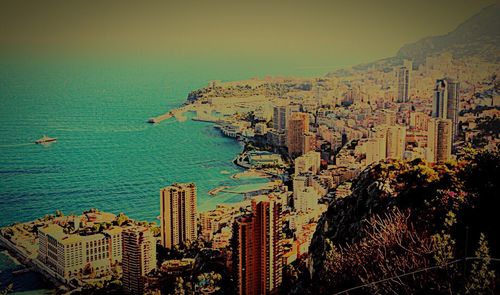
(106, 155)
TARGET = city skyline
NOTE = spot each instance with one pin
(193, 174)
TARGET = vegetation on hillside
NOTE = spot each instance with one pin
(406, 229)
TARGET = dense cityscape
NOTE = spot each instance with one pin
(352, 159)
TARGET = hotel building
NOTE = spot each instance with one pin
(68, 254)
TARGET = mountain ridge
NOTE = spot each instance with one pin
(478, 35)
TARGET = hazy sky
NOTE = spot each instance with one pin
(314, 31)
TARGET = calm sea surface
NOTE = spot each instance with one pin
(106, 156)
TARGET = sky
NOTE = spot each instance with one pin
(313, 31)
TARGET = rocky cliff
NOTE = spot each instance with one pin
(403, 216)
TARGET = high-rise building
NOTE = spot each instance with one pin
(440, 103)
(404, 84)
(257, 249)
(300, 181)
(386, 142)
(309, 142)
(178, 214)
(419, 121)
(446, 102)
(453, 105)
(139, 258)
(396, 139)
(439, 140)
(375, 149)
(306, 199)
(280, 117)
(298, 124)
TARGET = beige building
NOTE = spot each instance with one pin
(388, 117)
(385, 142)
(308, 162)
(178, 214)
(297, 126)
(139, 258)
(309, 142)
(68, 254)
(396, 139)
(439, 142)
(419, 120)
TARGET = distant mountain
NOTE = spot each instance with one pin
(479, 35)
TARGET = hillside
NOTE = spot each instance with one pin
(405, 216)
(479, 36)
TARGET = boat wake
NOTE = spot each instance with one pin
(102, 130)
(16, 145)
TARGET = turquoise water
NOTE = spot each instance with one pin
(106, 156)
(25, 283)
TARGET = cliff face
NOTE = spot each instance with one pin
(405, 216)
(479, 36)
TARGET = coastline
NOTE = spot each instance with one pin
(10, 255)
(17, 255)
(179, 113)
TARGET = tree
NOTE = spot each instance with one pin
(481, 278)
(7, 289)
(179, 286)
(121, 219)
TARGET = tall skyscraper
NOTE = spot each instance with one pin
(453, 105)
(439, 140)
(139, 258)
(446, 102)
(403, 84)
(280, 117)
(440, 103)
(257, 249)
(178, 214)
(298, 124)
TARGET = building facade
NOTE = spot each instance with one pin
(446, 104)
(439, 141)
(297, 126)
(178, 214)
(453, 106)
(396, 140)
(403, 84)
(440, 102)
(139, 258)
(68, 254)
(257, 249)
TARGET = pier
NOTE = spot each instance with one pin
(160, 118)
